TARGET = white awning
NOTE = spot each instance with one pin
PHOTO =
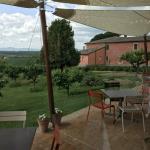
(20, 3)
(108, 2)
(134, 23)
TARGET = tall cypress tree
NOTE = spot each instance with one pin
(61, 45)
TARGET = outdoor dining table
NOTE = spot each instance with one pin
(16, 138)
(119, 94)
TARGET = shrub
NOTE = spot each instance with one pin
(107, 68)
(3, 82)
(66, 78)
(91, 80)
(32, 72)
(13, 72)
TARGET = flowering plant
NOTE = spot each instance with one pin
(58, 111)
(43, 117)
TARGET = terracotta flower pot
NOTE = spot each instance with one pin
(58, 117)
(43, 124)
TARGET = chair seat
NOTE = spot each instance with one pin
(129, 108)
(102, 105)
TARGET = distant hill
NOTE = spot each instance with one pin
(17, 49)
(18, 53)
(19, 58)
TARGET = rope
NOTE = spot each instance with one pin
(30, 42)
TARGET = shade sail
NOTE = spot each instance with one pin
(20, 3)
(133, 23)
(108, 2)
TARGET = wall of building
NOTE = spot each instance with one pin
(116, 50)
(100, 56)
(113, 54)
(91, 58)
(83, 60)
(97, 57)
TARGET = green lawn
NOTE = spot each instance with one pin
(35, 103)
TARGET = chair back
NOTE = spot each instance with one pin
(95, 97)
(146, 78)
(134, 99)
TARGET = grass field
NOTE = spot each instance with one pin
(35, 103)
(19, 58)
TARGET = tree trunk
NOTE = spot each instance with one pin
(68, 89)
(62, 68)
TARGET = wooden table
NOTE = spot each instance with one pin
(16, 138)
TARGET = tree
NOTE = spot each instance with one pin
(62, 45)
(103, 36)
(13, 72)
(135, 58)
(33, 71)
(3, 64)
(3, 82)
(66, 78)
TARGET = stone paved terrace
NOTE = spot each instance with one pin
(95, 134)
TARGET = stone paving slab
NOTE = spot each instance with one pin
(95, 134)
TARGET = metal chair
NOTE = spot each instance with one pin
(96, 99)
(132, 108)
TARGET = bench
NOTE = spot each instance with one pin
(13, 116)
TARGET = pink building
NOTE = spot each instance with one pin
(108, 51)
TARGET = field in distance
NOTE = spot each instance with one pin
(19, 58)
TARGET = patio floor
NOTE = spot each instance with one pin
(95, 134)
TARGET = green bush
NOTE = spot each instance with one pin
(3, 82)
(66, 78)
(13, 72)
(15, 84)
(32, 73)
(92, 80)
(107, 68)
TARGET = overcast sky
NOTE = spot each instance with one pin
(17, 26)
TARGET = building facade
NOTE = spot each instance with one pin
(108, 51)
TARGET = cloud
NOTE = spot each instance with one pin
(83, 34)
(16, 29)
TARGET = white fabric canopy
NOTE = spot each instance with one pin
(20, 3)
(133, 23)
(108, 2)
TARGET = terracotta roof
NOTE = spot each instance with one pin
(90, 50)
(120, 40)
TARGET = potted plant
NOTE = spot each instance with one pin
(58, 116)
(43, 122)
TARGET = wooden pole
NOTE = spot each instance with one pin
(145, 51)
(46, 58)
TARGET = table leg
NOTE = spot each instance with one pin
(110, 107)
